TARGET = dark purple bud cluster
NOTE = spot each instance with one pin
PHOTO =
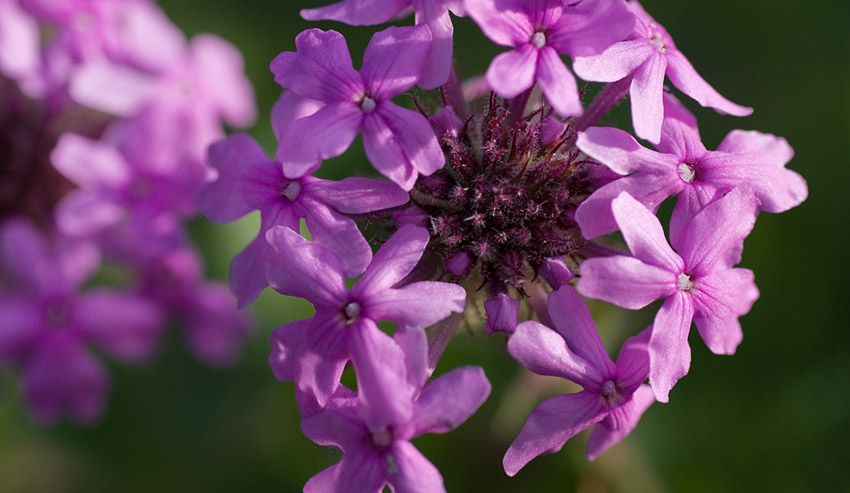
(29, 184)
(505, 199)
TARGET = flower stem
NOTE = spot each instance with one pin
(440, 337)
(609, 96)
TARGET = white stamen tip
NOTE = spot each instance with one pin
(292, 190)
(657, 42)
(687, 172)
(538, 39)
(684, 282)
(367, 104)
(352, 311)
(382, 439)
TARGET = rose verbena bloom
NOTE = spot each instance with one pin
(502, 187)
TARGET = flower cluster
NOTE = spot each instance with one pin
(106, 111)
(500, 191)
(500, 194)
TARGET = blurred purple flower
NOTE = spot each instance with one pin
(45, 324)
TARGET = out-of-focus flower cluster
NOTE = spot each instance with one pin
(501, 192)
(106, 111)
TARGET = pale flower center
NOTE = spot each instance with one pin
(538, 39)
(382, 439)
(367, 104)
(611, 395)
(657, 42)
(609, 389)
(687, 172)
(352, 312)
(292, 190)
(684, 282)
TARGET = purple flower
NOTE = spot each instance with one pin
(696, 284)
(314, 352)
(205, 88)
(127, 187)
(539, 31)
(502, 313)
(399, 142)
(214, 327)
(19, 41)
(133, 32)
(248, 181)
(613, 396)
(645, 58)
(45, 324)
(684, 167)
(374, 428)
(433, 13)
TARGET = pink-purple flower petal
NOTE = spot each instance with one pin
(357, 12)
(557, 83)
(325, 134)
(625, 281)
(414, 472)
(449, 400)
(393, 61)
(588, 28)
(718, 228)
(296, 267)
(646, 92)
(420, 304)
(626, 417)
(502, 314)
(62, 378)
(513, 72)
(550, 425)
(355, 195)
(393, 261)
(644, 234)
(615, 63)
(243, 168)
(248, 268)
(574, 323)
(545, 352)
(683, 75)
(320, 69)
(340, 235)
(669, 352)
(386, 398)
(505, 22)
(401, 144)
(718, 302)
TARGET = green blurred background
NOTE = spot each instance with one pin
(775, 417)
